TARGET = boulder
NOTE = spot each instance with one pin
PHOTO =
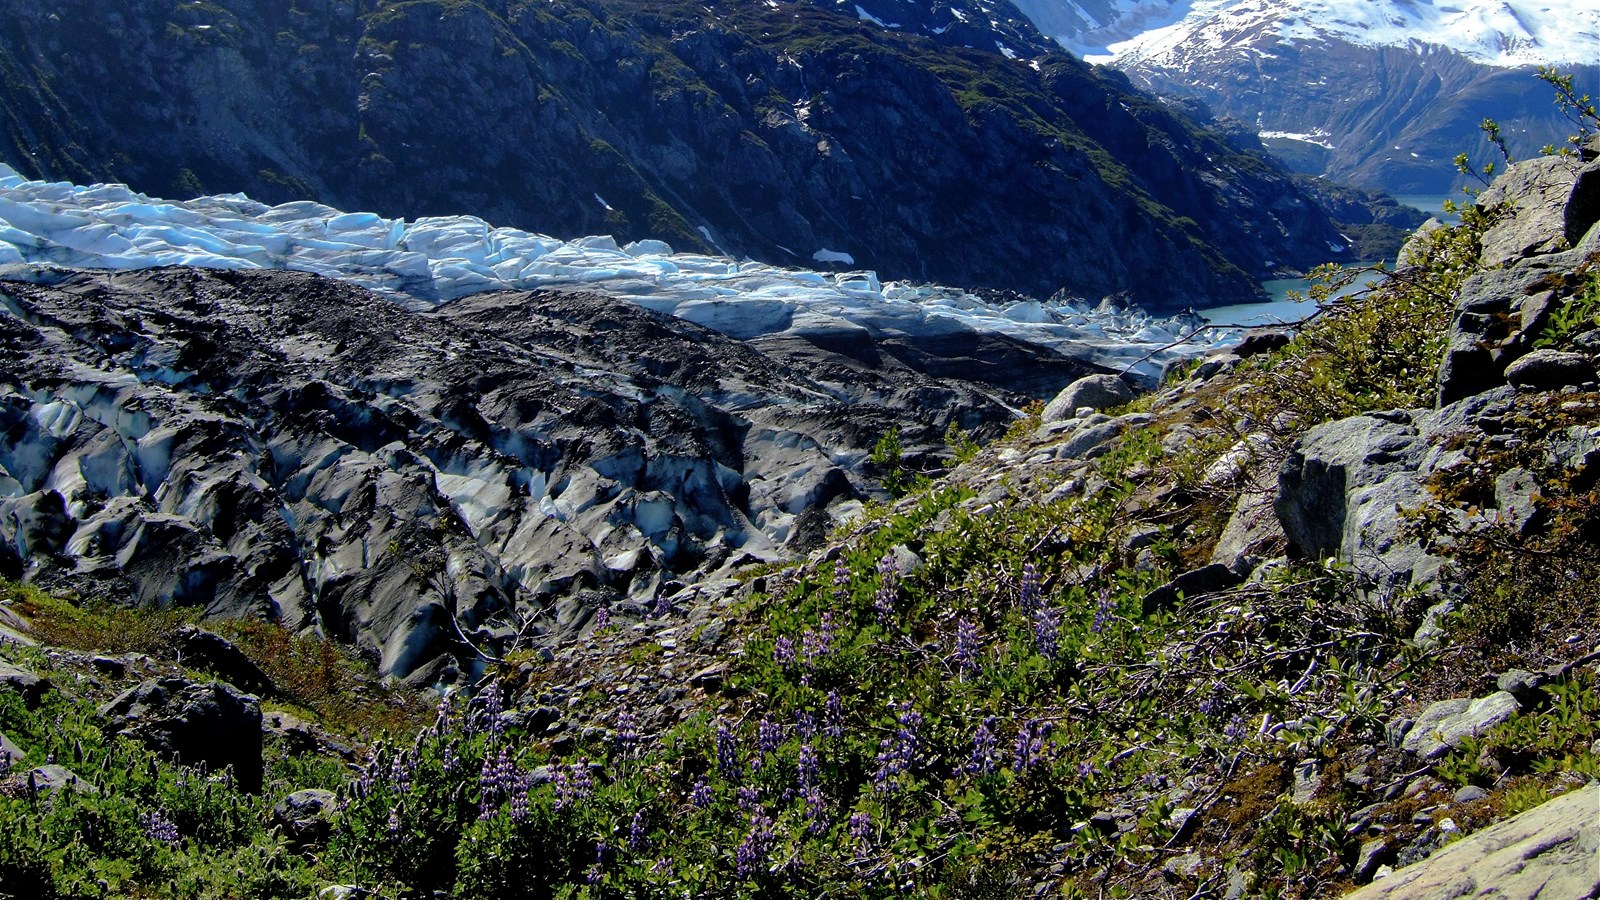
(1096, 392)
(1444, 725)
(1546, 205)
(1548, 851)
(201, 649)
(48, 779)
(210, 725)
(32, 687)
(306, 817)
(1548, 370)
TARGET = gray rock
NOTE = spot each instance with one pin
(1536, 197)
(1087, 439)
(1446, 724)
(210, 652)
(1191, 584)
(1549, 370)
(1096, 392)
(1524, 685)
(50, 778)
(209, 725)
(1373, 854)
(306, 816)
(1546, 852)
(31, 687)
(1470, 793)
(1516, 495)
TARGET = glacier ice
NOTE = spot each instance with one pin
(436, 259)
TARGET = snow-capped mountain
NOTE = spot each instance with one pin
(1380, 92)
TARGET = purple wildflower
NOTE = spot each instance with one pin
(520, 809)
(728, 752)
(898, 752)
(1103, 616)
(1028, 591)
(841, 581)
(1046, 632)
(985, 749)
(662, 866)
(159, 827)
(1234, 729)
(749, 798)
(495, 782)
(1087, 769)
(768, 735)
(805, 725)
(861, 826)
(888, 589)
(808, 766)
(833, 714)
(700, 794)
(573, 783)
(1030, 745)
(816, 810)
(602, 618)
(663, 605)
(636, 837)
(627, 734)
(783, 652)
(967, 650)
(751, 855)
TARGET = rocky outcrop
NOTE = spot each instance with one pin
(898, 136)
(451, 482)
(208, 725)
(1548, 851)
(1346, 487)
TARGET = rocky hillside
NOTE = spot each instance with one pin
(1377, 94)
(1318, 613)
(945, 145)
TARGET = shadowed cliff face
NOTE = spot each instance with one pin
(282, 445)
(774, 131)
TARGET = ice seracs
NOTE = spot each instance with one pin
(428, 261)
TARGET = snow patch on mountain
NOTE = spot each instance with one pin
(1494, 32)
(428, 261)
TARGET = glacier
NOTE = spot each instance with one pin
(429, 261)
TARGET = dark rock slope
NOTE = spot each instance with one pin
(770, 130)
(277, 444)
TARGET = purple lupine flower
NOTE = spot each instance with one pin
(805, 725)
(627, 734)
(985, 749)
(448, 758)
(749, 798)
(573, 783)
(816, 810)
(728, 752)
(662, 866)
(768, 735)
(400, 774)
(861, 826)
(602, 618)
(1234, 729)
(157, 826)
(1028, 591)
(1046, 632)
(888, 590)
(751, 855)
(495, 782)
(700, 794)
(596, 871)
(841, 581)
(520, 810)
(1103, 615)
(492, 703)
(393, 829)
(783, 652)
(1030, 745)
(1087, 769)
(833, 714)
(663, 605)
(967, 651)
(807, 768)
(898, 752)
(636, 837)
(816, 646)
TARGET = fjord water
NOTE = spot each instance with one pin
(1282, 309)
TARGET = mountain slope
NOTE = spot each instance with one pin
(788, 132)
(1383, 95)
